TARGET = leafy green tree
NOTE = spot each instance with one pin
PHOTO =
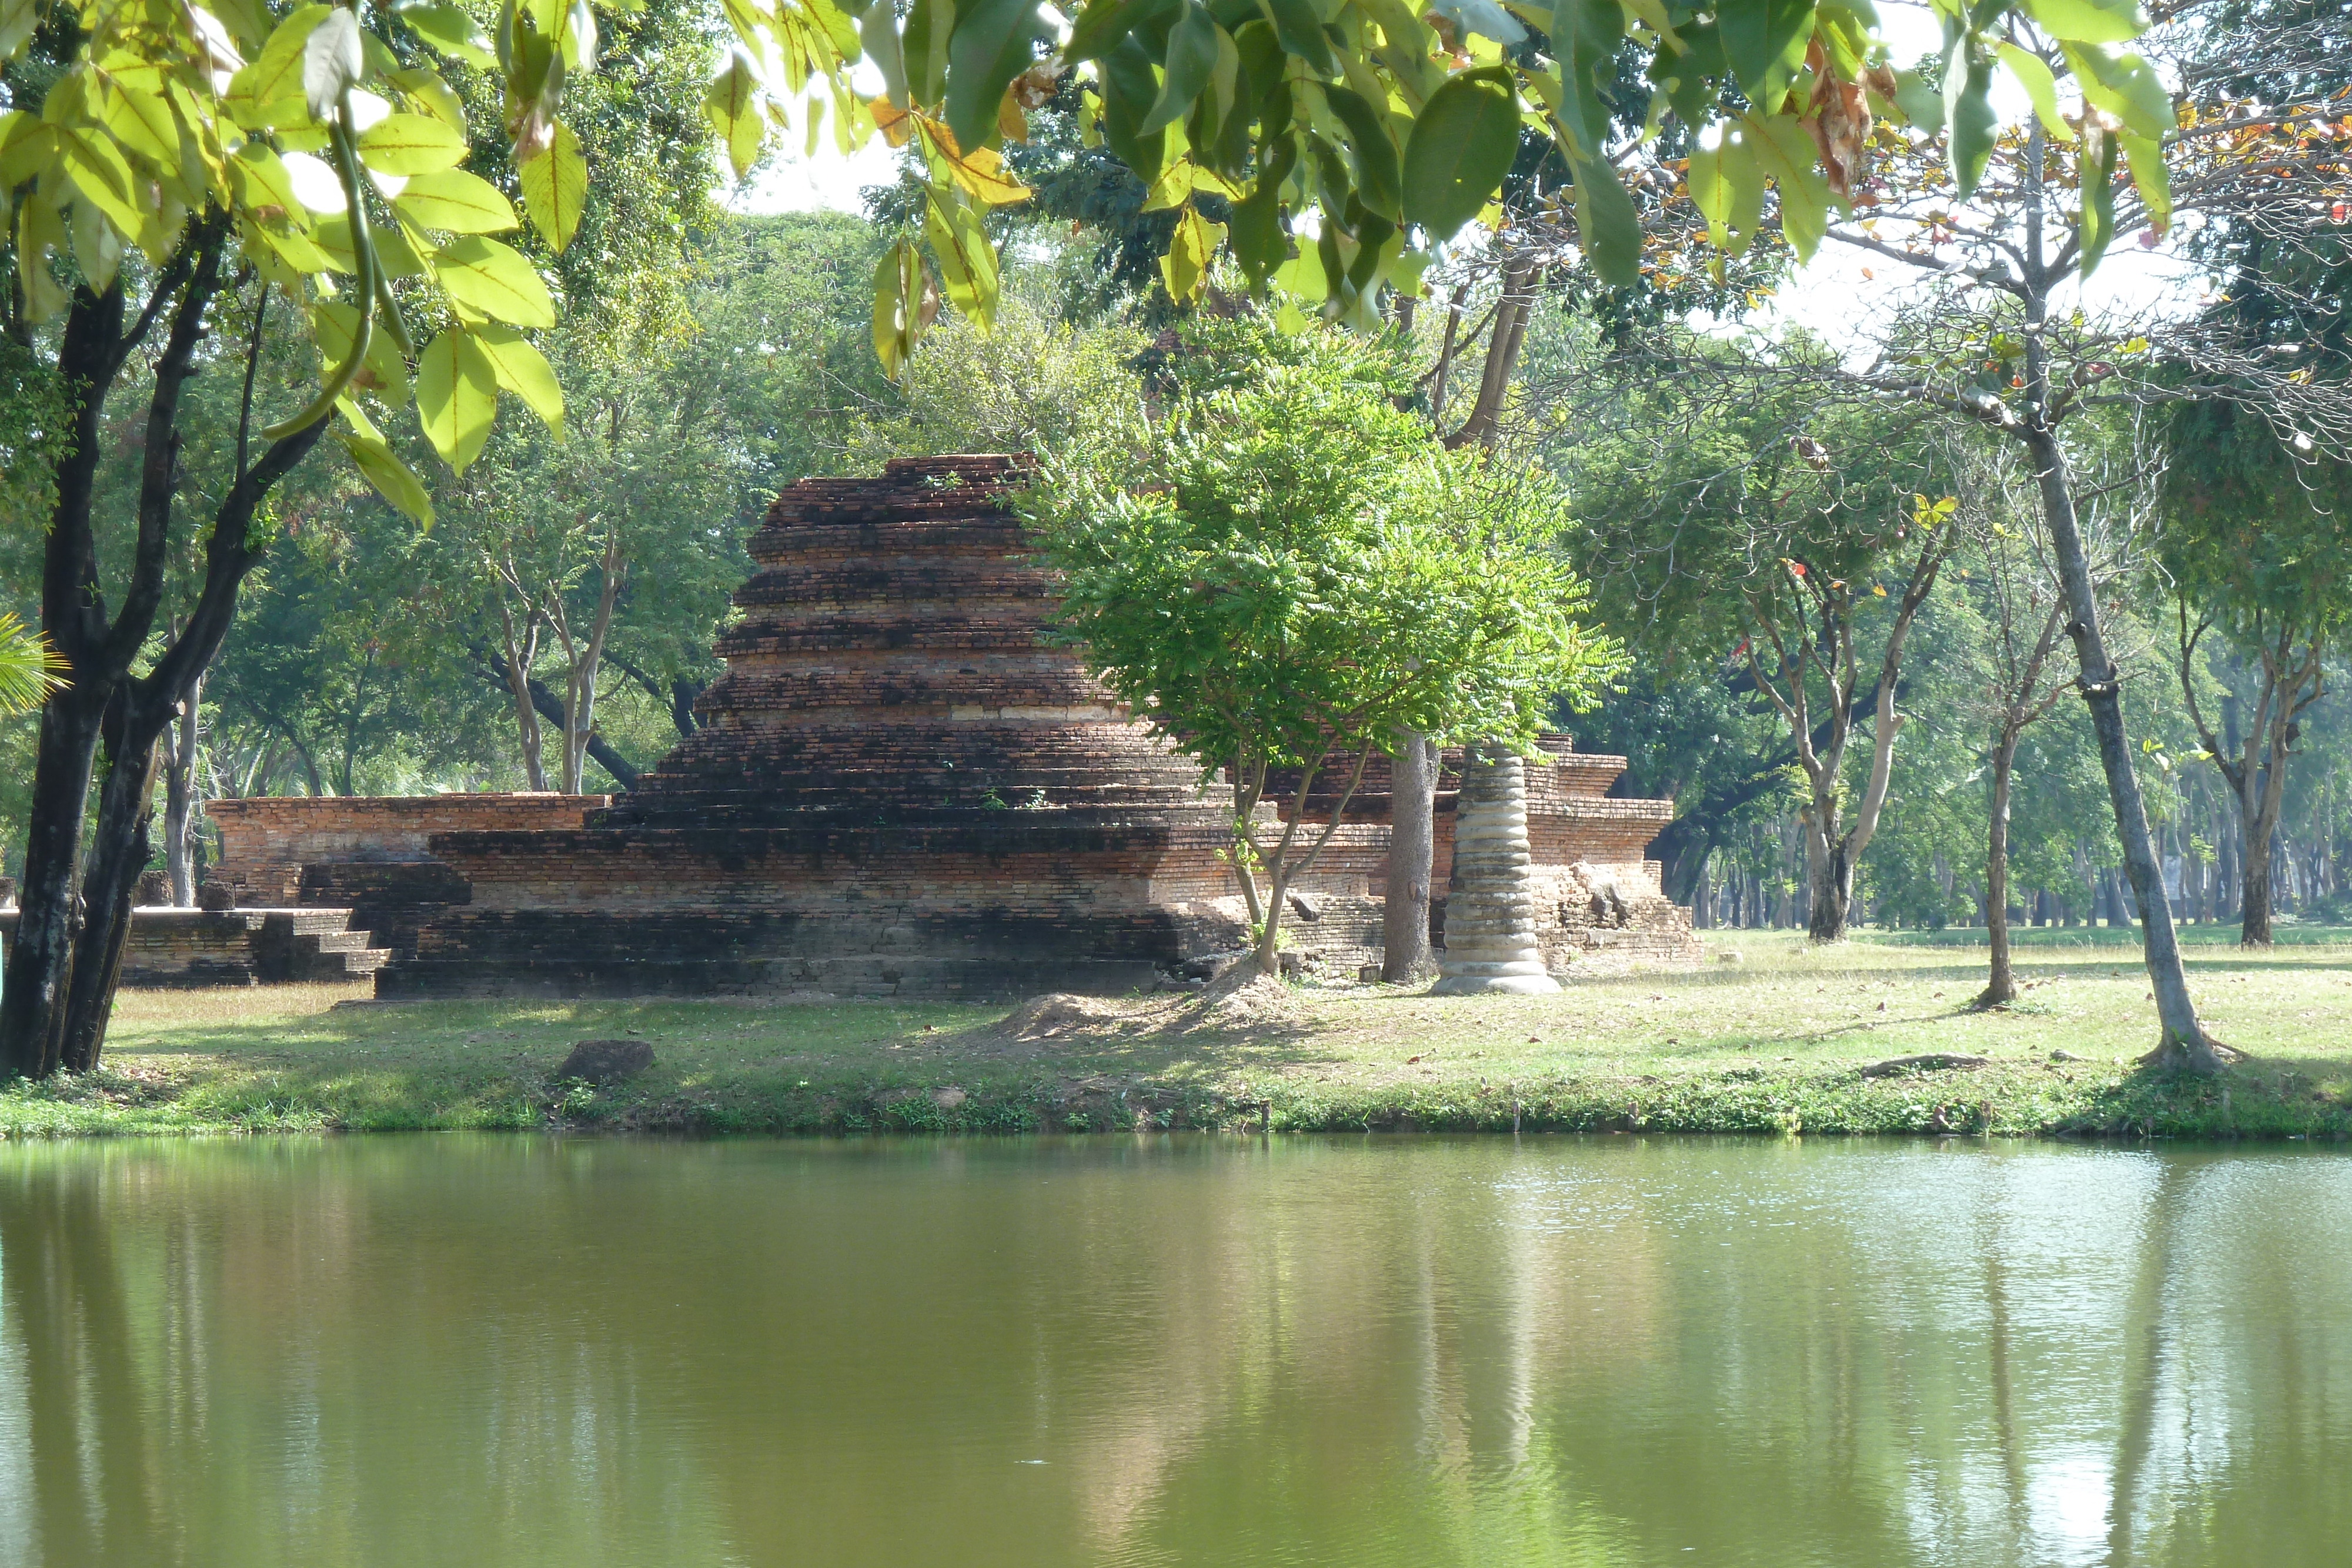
(1797, 532)
(1292, 574)
(2257, 547)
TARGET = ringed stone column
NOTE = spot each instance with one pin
(1490, 907)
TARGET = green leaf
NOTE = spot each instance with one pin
(411, 144)
(1191, 57)
(270, 90)
(1374, 150)
(732, 107)
(2089, 21)
(1974, 125)
(555, 188)
(1129, 85)
(1920, 101)
(898, 316)
(523, 371)
(1784, 152)
(2126, 86)
(262, 187)
(456, 202)
(100, 176)
(1462, 146)
(451, 30)
(967, 260)
(1590, 33)
(382, 373)
(18, 18)
(1761, 37)
(993, 41)
(1728, 187)
(457, 396)
(494, 280)
(1610, 229)
(2039, 85)
(1186, 267)
(2097, 174)
(1300, 31)
(390, 477)
(333, 62)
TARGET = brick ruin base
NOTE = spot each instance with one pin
(900, 790)
(171, 948)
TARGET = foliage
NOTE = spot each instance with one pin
(1290, 571)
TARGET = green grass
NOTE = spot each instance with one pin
(1774, 1043)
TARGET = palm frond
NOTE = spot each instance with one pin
(29, 668)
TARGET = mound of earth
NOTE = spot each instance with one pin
(1062, 1013)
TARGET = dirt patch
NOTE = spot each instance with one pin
(1062, 1015)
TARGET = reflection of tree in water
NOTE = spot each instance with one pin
(94, 1494)
(1442, 1352)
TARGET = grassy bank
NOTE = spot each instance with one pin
(1779, 1041)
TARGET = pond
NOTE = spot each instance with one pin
(503, 1349)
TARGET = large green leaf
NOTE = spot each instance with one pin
(732, 107)
(1128, 86)
(556, 187)
(457, 396)
(993, 41)
(1192, 59)
(967, 260)
(1974, 124)
(411, 144)
(1462, 146)
(2126, 86)
(1374, 149)
(1760, 34)
(451, 30)
(1300, 29)
(2089, 21)
(382, 372)
(523, 371)
(2040, 86)
(2097, 170)
(455, 201)
(1609, 228)
(390, 475)
(1587, 34)
(494, 280)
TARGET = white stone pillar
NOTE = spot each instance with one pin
(1490, 907)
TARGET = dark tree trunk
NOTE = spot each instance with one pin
(1404, 914)
(2001, 987)
(1832, 868)
(120, 850)
(2256, 930)
(40, 960)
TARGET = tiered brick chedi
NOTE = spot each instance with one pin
(904, 788)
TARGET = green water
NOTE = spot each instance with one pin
(514, 1352)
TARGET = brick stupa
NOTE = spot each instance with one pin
(902, 787)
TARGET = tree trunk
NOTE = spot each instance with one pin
(41, 963)
(1830, 873)
(2255, 931)
(2001, 987)
(2183, 1042)
(119, 850)
(1405, 956)
(179, 799)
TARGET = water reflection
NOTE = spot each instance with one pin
(502, 1350)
